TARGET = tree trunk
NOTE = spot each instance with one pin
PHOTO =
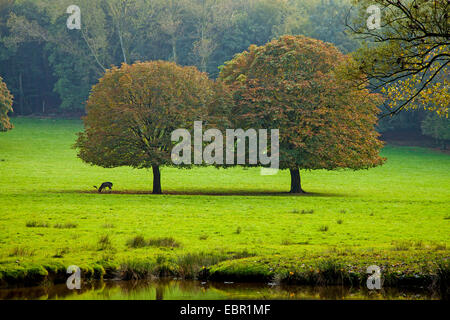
(21, 94)
(296, 184)
(156, 180)
(174, 49)
(121, 46)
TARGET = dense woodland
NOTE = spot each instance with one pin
(50, 69)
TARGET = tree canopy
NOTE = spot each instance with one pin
(133, 110)
(6, 100)
(302, 86)
(408, 57)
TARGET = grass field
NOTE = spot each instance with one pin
(229, 223)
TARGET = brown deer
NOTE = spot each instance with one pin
(104, 186)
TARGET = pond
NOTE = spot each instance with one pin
(196, 290)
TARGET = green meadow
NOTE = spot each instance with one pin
(224, 223)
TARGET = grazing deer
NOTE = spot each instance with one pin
(104, 186)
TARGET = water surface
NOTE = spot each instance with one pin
(196, 290)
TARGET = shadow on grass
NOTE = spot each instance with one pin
(255, 193)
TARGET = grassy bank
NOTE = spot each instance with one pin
(217, 223)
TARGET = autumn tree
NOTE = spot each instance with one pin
(408, 56)
(133, 110)
(304, 88)
(6, 100)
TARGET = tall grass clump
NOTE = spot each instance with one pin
(104, 243)
(68, 225)
(36, 224)
(21, 252)
(166, 242)
(286, 242)
(193, 265)
(401, 245)
(137, 270)
(61, 252)
(163, 242)
(331, 272)
(137, 242)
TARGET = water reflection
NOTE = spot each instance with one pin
(195, 290)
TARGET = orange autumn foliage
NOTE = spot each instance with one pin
(6, 101)
(305, 88)
(133, 110)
